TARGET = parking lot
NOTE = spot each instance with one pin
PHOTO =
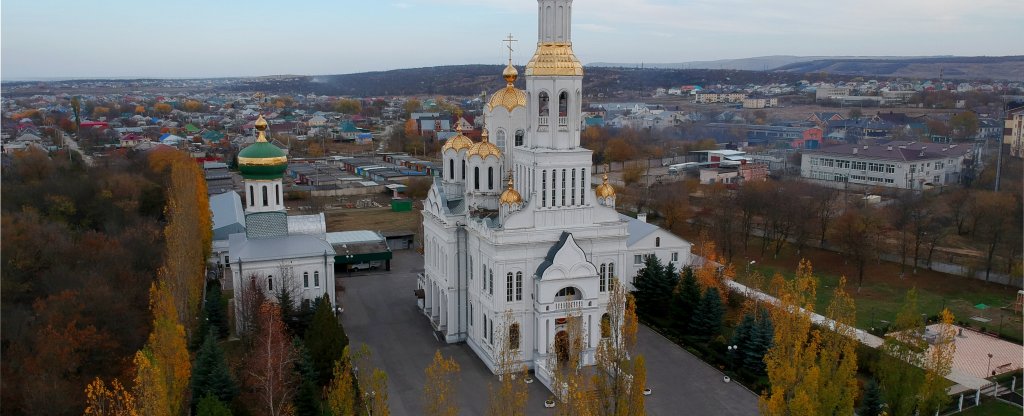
(380, 311)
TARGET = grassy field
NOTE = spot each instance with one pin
(882, 292)
(375, 219)
(993, 408)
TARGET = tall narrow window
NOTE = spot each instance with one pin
(490, 178)
(500, 139)
(509, 287)
(476, 178)
(305, 279)
(451, 168)
(603, 278)
(471, 269)
(252, 196)
(490, 282)
(657, 241)
(553, 175)
(470, 313)
(270, 283)
(316, 279)
(611, 275)
(484, 274)
(519, 137)
(264, 188)
(463, 170)
(513, 336)
(543, 188)
(542, 100)
(572, 197)
(519, 285)
(563, 104)
(583, 185)
(563, 187)
(277, 194)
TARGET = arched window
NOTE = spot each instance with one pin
(519, 285)
(553, 174)
(252, 196)
(270, 283)
(316, 279)
(500, 139)
(277, 194)
(490, 178)
(451, 168)
(513, 336)
(519, 137)
(603, 278)
(606, 326)
(657, 241)
(463, 170)
(476, 178)
(566, 291)
(542, 102)
(490, 283)
(611, 276)
(305, 279)
(264, 188)
(563, 104)
(509, 287)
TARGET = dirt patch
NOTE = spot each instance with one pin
(374, 219)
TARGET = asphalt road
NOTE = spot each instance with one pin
(381, 311)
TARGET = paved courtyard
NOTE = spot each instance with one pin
(380, 311)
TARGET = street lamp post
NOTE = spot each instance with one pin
(989, 368)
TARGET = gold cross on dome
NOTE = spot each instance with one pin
(509, 40)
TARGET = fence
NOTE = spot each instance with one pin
(1009, 391)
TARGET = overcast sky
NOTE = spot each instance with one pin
(215, 38)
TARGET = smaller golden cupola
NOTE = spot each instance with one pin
(605, 189)
(509, 97)
(484, 148)
(510, 197)
(457, 142)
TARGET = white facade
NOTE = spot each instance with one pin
(547, 244)
(905, 165)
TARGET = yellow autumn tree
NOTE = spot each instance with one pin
(341, 393)
(937, 362)
(791, 362)
(837, 358)
(509, 397)
(615, 379)
(150, 386)
(714, 270)
(167, 344)
(378, 390)
(115, 400)
(439, 397)
(564, 363)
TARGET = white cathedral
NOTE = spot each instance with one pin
(514, 225)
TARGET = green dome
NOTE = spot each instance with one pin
(262, 160)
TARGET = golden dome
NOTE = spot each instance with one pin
(484, 148)
(457, 142)
(511, 196)
(509, 97)
(554, 59)
(605, 190)
(261, 127)
(510, 73)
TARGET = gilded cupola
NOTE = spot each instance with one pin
(484, 148)
(605, 189)
(510, 197)
(457, 142)
(262, 160)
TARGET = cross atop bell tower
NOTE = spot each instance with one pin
(509, 41)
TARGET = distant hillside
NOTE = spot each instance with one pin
(759, 63)
(470, 80)
(964, 68)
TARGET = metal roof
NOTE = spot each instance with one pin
(285, 247)
(354, 237)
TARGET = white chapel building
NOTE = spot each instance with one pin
(276, 251)
(514, 224)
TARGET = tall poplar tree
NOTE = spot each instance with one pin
(439, 397)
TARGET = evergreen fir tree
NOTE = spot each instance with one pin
(871, 404)
(707, 321)
(325, 339)
(307, 397)
(760, 341)
(210, 406)
(685, 299)
(216, 317)
(741, 339)
(287, 305)
(210, 375)
(654, 285)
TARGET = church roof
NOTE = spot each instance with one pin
(549, 259)
(509, 97)
(307, 224)
(484, 148)
(227, 210)
(637, 229)
(277, 248)
(266, 224)
(554, 59)
(458, 142)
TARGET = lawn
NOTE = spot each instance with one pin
(993, 407)
(881, 295)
